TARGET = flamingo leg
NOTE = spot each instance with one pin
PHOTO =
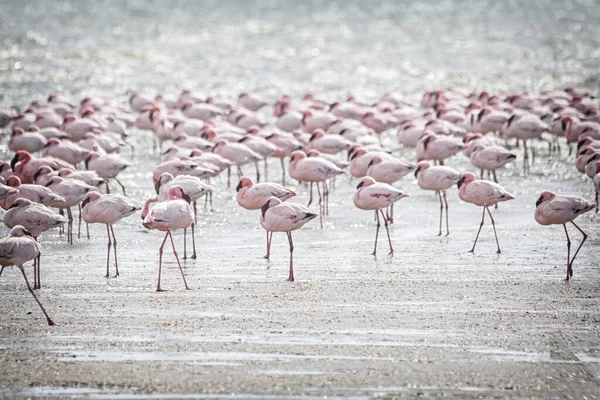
(441, 212)
(597, 205)
(160, 254)
(39, 272)
(291, 277)
(35, 273)
(239, 171)
(494, 175)
(374, 253)
(326, 197)
(107, 187)
(310, 199)
(196, 212)
(50, 322)
(185, 243)
(447, 221)
(525, 158)
(391, 218)
(228, 177)
(177, 258)
(122, 186)
(269, 238)
(265, 164)
(320, 204)
(568, 253)
(115, 247)
(578, 248)
(494, 227)
(282, 172)
(69, 226)
(1, 270)
(193, 257)
(385, 223)
(108, 252)
(257, 171)
(479, 231)
(79, 222)
(87, 228)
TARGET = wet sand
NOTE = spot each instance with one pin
(432, 320)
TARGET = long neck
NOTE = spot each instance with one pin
(147, 206)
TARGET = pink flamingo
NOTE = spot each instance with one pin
(36, 193)
(389, 171)
(490, 158)
(252, 196)
(175, 213)
(107, 167)
(483, 194)
(16, 249)
(314, 170)
(25, 165)
(28, 141)
(373, 195)
(72, 192)
(65, 150)
(107, 209)
(438, 178)
(277, 216)
(35, 218)
(553, 209)
(437, 147)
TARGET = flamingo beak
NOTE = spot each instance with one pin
(539, 201)
(460, 182)
(238, 187)
(417, 171)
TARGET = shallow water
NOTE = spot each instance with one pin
(431, 320)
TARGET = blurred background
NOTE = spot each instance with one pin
(332, 48)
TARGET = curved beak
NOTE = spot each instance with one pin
(238, 187)
(417, 171)
(460, 182)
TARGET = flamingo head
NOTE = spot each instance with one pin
(245, 182)
(465, 178)
(545, 196)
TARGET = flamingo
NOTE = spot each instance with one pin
(29, 141)
(373, 195)
(438, 178)
(490, 158)
(553, 209)
(25, 165)
(175, 213)
(72, 192)
(239, 154)
(16, 249)
(437, 147)
(107, 167)
(389, 171)
(314, 170)
(277, 216)
(193, 187)
(65, 150)
(107, 209)
(35, 218)
(483, 194)
(36, 193)
(253, 196)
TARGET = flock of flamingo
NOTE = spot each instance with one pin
(64, 155)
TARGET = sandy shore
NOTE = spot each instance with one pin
(433, 320)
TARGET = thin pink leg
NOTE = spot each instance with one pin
(50, 322)
(193, 257)
(115, 247)
(374, 253)
(79, 222)
(320, 205)
(568, 254)
(185, 243)
(39, 271)
(310, 199)
(108, 252)
(122, 186)
(291, 277)
(282, 171)
(441, 212)
(228, 177)
(69, 226)
(494, 227)
(269, 238)
(385, 223)
(178, 263)
(579, 248)
(447, 222)
(257, 171)
(479, 231)
(107, 187)
(160, 254)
